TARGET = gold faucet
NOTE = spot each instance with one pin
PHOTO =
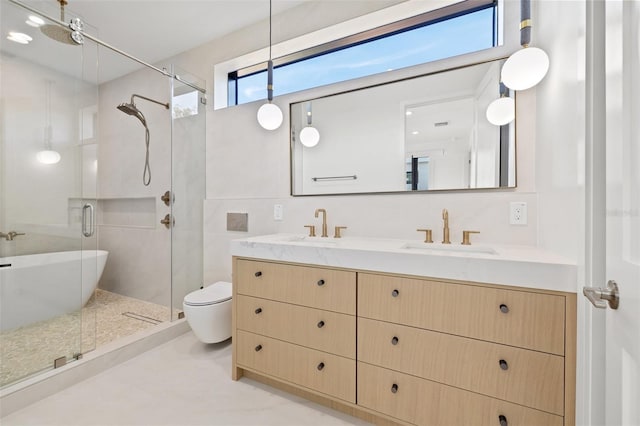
(324, 221)
(445, 231)
(9, 236)
(466, 241)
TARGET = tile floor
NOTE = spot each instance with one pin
(183, 382)
(105, 318)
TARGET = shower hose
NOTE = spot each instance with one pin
(146, 174)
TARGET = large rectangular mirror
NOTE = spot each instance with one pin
(420, 134)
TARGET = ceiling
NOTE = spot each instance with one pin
(151, 30)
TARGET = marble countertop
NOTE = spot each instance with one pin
(520, 266)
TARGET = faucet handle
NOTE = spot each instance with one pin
(428, 237)
(312, 230)
(337, 233)
(465, 237)
(9, 236)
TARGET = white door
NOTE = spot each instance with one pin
(616, 332)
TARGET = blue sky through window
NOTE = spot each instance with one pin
(452, 37)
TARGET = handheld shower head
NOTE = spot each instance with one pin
(131, 109)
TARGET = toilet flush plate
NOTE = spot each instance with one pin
(238, 222)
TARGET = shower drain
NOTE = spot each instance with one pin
(141, 317)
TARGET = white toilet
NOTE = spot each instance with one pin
(208, 312)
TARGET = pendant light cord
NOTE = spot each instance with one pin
(270, 17)
(47, 117)
(270, 62)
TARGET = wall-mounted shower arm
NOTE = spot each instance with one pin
(166, 105)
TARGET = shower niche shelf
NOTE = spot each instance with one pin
(130, 212)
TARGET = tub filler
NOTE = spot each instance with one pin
(38, 287)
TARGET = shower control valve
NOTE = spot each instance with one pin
(168, 221)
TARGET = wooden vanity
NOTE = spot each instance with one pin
(399, 349)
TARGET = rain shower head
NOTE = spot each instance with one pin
(56, 32)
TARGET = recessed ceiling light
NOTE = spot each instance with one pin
(19, 37)
(415, 132)
(35, 21)
(409, 112)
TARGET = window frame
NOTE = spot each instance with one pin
(508, 42)
(380, 32)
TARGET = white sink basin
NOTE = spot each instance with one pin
(306, 240)
(449, 248)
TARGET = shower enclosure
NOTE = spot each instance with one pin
(71, 181)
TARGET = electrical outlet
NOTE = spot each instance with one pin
(518, 213)
(278, 212)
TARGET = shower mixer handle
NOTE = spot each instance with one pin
(168, 221)
(167, 198)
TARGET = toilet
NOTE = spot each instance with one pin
(208, 312)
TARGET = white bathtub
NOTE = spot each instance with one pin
(41, 286)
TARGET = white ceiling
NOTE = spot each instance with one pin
(151, 30)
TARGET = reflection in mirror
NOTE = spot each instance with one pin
(426, 133)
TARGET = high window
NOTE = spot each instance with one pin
(462, 28)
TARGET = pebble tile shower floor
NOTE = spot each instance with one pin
(33, 348)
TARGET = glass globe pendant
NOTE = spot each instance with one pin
(269, 115)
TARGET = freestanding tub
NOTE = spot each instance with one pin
(37, 287)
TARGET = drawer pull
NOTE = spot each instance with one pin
(504, 365)
(321, 324)
(503, 420)
(258, 274)
(320, 282)
(258, 348)
(394, 388)
(258, 310)
(395, 340)
(395, 293)
(504, 309)
(320, 366)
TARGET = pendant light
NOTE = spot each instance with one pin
(503, 110)
(309, 135)
(528, 66)
(269, 115)
(48, 155)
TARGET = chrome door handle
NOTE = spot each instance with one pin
(87, 231)
(601, 296)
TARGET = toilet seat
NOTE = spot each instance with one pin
(215, 293)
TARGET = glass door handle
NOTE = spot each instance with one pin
(600, 297)
(89, 230)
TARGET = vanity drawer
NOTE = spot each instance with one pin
(314, 328)
(530, 378)
(302, 285)
(424, 402)
(518, 318)
(330, 374)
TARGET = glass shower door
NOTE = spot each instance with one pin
(48, 99)
(188, 143)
